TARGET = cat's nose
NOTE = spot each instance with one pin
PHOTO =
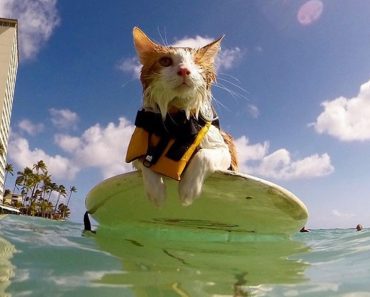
(183, 71)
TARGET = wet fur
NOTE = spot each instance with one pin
(165, 90)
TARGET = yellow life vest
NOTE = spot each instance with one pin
(166, 146)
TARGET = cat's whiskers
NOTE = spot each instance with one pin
(219, 103)
(164, 40)
(234, 94)
(233, 84)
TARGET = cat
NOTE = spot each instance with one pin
(178, 80)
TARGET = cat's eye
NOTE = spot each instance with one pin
(165, 61)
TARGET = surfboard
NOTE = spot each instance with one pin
(232, 206)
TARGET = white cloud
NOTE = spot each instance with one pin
(103, 148)
(248, 152)
(228, 57)
(342, 215)
(130, 65)
(253, 111)
(347, 119)
(29, 127)
(193, 42)
(63, 118)
(254, 159)
(22, 155)
(100, 147)
(37, 20)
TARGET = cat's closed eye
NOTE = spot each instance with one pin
(165, 61)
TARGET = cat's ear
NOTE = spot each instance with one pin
(143, 44)
(208, 53)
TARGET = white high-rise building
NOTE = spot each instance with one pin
(8, 72)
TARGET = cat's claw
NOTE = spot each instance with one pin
(158, 196)
(189, 191)
(154, 185)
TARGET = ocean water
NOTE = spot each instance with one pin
(45, 258)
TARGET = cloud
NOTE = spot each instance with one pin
(100, 147)
(63, 118)
(30, 128)
(37, 22)
(193, 42)
(227, 58)
(104, 148)
(339, 214)
(22, 155)
(347, 119)
(255, 159)
(253, 111)
(130, 65)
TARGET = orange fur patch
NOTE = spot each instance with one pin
(232, 149)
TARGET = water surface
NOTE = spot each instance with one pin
(44, 258)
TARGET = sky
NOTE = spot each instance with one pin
(293, 89)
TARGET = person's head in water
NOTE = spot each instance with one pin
(359, 227)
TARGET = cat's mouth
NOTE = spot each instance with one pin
(184, 85)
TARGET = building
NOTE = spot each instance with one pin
(8, 71)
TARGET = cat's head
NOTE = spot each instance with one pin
(175, 77)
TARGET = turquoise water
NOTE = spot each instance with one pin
(44, 258)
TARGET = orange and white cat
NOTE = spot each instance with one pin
(180, 79)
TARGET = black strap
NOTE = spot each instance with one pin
(175, 126)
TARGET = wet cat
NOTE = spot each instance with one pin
(177, 111)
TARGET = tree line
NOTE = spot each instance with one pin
(36, 188)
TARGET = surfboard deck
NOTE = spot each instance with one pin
(231, 203)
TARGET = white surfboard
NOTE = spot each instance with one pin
(231, 206)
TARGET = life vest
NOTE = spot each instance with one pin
(166, 146)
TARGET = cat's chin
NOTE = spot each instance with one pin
(183, 88)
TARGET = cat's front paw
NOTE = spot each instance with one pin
(189, 190)
(154, 185)
(191, 184)
(156, 194)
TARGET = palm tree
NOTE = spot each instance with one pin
(18, 182)
(64, 211)
(34, 182)
(45, 207)
(61, 192)
(24, 180)
(46, 184)
(32, 208)
(40, 165)
(53, 187)
(8, 170)
(72, 189)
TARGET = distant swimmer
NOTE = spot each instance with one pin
(304, 229)
(359, 227)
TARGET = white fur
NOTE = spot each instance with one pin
(187, 93)
(213, 155)
(168, 87)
